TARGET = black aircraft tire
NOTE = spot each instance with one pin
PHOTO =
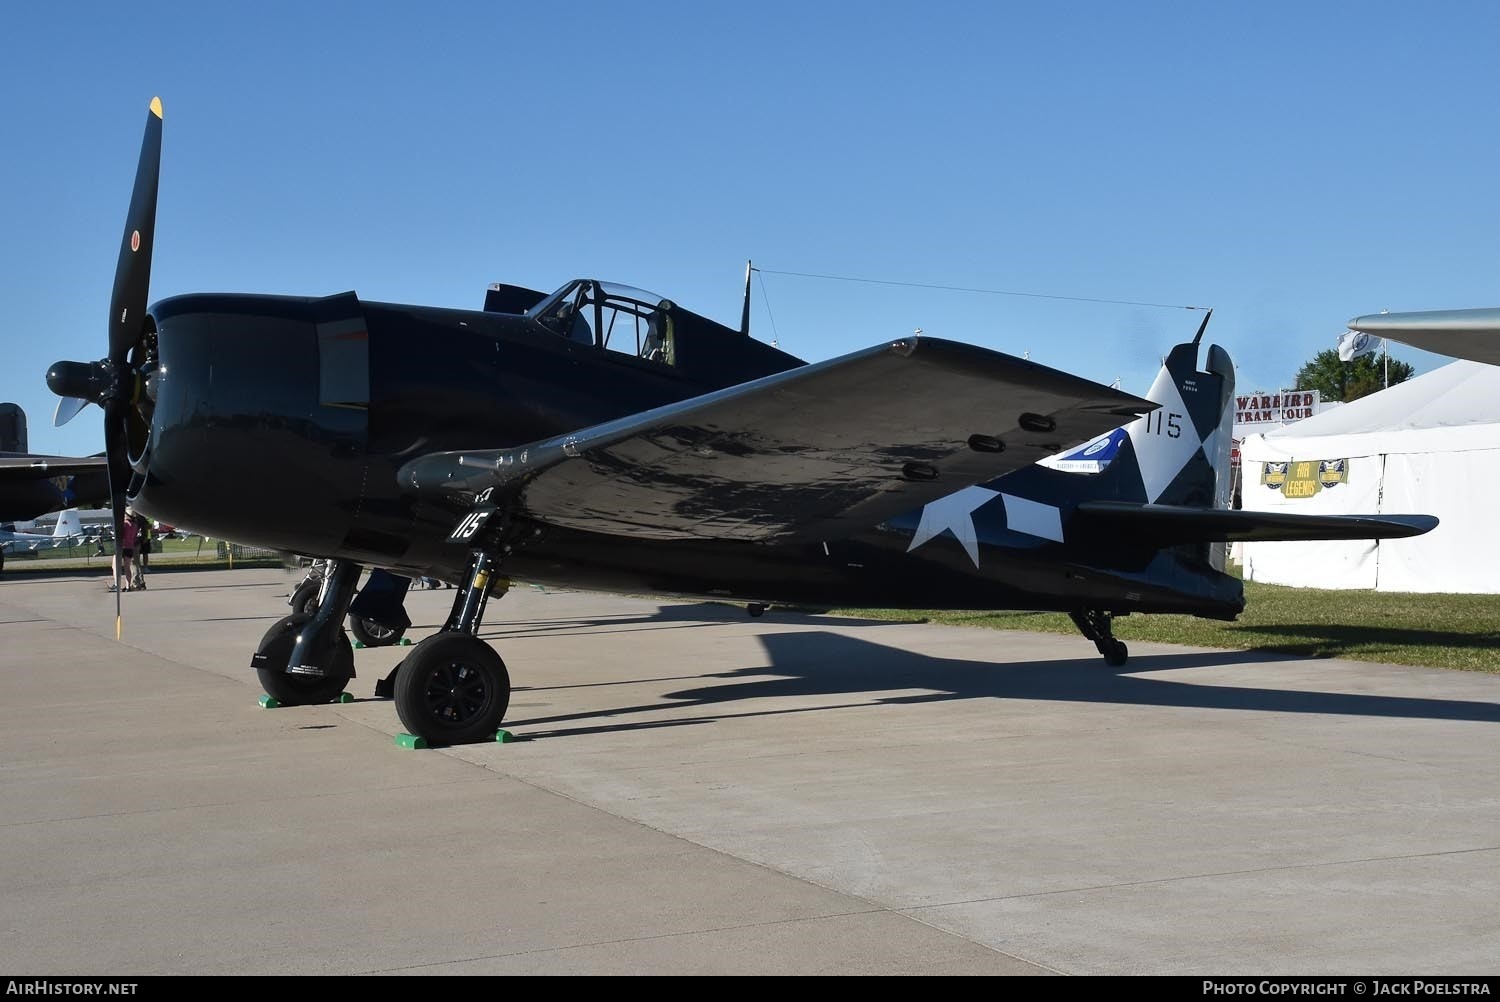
(452, 689)
(305, 598)
(371, 633)
(1116, 654)
(756, 609)
(302, 690)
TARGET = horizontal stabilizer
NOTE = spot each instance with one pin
(814, 453)
(1170, 525)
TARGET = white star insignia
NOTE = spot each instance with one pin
(955, 514)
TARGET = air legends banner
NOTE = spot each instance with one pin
(1304, 478)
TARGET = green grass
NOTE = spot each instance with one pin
(174, 553)
(1443, 631)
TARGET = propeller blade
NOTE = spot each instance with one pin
(119, 519)
(67, 409)
(127, 304)
(115, 413)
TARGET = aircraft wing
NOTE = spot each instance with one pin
(21, 467)
(1472, 334)
(1169, 525)
(814, 453)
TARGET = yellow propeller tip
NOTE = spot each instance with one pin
(156, 106)
(117, 627)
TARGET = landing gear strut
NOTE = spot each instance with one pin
(305, 658)
(453, 688)
(1098, 626)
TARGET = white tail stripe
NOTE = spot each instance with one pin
(1165, 439)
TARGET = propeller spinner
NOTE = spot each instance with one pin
(117, 381)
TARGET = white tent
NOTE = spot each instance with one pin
(1428, 446)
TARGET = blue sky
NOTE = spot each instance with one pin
(1290, 164)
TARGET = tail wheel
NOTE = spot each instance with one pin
(452, 689)
(373, 634)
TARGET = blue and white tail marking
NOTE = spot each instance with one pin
(1177, 455)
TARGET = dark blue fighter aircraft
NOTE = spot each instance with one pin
(602, 437)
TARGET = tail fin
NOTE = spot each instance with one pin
(1179, 453)
(1168, 486)
(68, 524)
(12, 428)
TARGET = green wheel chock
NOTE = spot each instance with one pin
(359, 645)
(345, 697)
(410, 741)
(405, 642)
(269, 703)
(503, 736)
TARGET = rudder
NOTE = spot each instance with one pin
(1179, 453)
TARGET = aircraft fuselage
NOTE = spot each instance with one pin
(282, 421)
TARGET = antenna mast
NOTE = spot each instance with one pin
(745, 313)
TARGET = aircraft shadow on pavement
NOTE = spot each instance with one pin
(1328, 640)
(698, 614)
(821, 663)
(687, 614)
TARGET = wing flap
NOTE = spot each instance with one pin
(816, 452)
(1170, 525)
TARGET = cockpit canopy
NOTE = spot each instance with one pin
(641, 330)
(617, 317)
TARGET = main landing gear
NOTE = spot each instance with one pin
(306, 658)
(1098, 626)
(453, 688)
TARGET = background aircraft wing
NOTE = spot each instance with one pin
(816, 452)
(1472, 334)
(1169, 525)
(14, 468)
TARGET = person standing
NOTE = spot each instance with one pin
(125, 552)
(142, 549)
